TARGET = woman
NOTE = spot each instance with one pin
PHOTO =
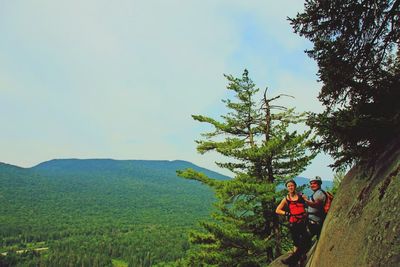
(294, 207)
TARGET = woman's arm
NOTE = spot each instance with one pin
(279, 210)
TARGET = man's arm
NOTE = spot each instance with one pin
(314, 204)
(318, 202)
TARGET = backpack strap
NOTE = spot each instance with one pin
(300, 198)
(326, 196)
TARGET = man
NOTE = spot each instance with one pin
(316, 213)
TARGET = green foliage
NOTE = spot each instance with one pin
(262, 153)
(337, 179)
(91, 212)
(356, 46)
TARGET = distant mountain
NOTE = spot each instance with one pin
(139, 208)
(4, 167)
(86, 184)
(131, 167)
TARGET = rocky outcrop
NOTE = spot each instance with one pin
(363, 225)
(278, 261)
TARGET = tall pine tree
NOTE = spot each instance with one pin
(357, 48)
(262, 154)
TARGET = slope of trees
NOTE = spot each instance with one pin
(88, 213)
(262, 153)
(356, 46)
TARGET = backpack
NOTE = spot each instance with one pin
(297, 209)
(328, 201)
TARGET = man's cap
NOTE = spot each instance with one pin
(317, 179)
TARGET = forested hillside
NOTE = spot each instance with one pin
(98, 212)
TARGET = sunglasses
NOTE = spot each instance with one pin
(313, 182)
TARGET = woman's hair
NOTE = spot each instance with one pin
(291, 181)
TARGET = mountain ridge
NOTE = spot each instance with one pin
(55, 163)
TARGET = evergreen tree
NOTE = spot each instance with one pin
(262, 154)
(356, 46)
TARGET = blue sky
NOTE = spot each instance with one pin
(120, 79)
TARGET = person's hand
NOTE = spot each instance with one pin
(304, 197)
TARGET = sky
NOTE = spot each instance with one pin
(121, 79)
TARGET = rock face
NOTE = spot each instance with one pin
(363, 225)
(278, 261)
